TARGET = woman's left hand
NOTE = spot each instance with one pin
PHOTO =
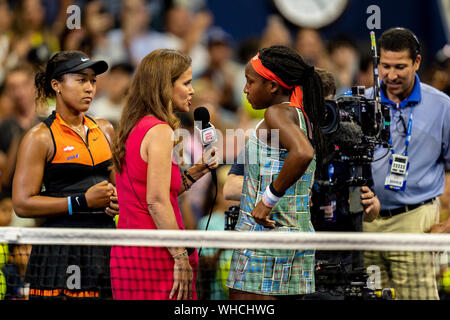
(113, 208)
(209, 161)
(261, 214)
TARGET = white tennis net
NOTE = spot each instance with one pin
(228, 239)
(346, 265)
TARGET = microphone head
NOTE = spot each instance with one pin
(207, 130)
(347, 136)
(202, 114)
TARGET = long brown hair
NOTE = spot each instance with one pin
(150, 93)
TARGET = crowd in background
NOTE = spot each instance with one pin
(122, 33)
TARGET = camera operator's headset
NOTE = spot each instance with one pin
(413, 36)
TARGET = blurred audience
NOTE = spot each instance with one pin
(19, 87)
(344, 62)
(311, 46)
(275, 33)
(97, 23)
(133, 38)
(186, 31)
(6, 105)
(6, 210)
(365, 73)
(328, 83)
(30, 31)
(14, 272)
(222, 71)
(438, 75)
(111, 101)
(6, 17)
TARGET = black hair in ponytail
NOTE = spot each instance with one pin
(43, 78)
(290, 67)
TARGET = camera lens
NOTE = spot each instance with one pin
(330, 120)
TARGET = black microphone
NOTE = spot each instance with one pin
(347, 136)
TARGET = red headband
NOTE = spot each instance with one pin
(297, 94)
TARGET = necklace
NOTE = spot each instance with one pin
(77, 129)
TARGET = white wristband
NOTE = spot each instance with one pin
(269, 199)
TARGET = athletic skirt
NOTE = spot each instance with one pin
(72, 271)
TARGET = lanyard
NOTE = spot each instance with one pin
(408, 134)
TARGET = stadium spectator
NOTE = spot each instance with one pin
(14, 272)
(20, 90)
(310, 45)
(97, 22)
(6, 106)
(186, 30)
(222, 70)
(365, 73)
(30, 31)
(438, 74)
(275, 33)
(344, 62)
(109, 105)
(6, 18)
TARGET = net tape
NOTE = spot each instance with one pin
(228, 239)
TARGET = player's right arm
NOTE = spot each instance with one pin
(35, 150)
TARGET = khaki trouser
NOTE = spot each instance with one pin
(411, 274)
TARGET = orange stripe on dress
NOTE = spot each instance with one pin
(69, 293)
(297, 92)
(81, 294)
(45, 293)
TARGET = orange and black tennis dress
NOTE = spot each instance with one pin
(76, 166)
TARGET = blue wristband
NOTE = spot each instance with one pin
(69, 204)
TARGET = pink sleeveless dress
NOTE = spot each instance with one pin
(143, 273)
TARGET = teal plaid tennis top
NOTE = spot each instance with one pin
(273, 272)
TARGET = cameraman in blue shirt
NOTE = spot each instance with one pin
(410, 176)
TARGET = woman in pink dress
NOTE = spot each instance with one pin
(149, 181)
